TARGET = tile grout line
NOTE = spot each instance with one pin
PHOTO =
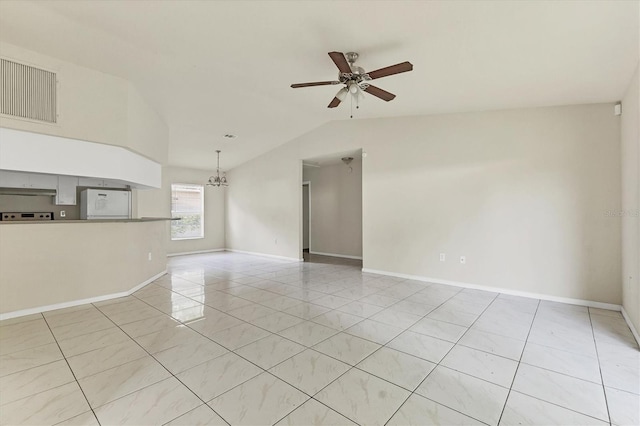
(163, 366)
(282, 311)
(233, 351)
(351, 367)
(300, 285)
(595, 344)
(278, 378)
(72, 373)
(526, 363)
(533, 320)
(307, 347)
(204, 362)
(406, 329)
(240, 347)
(344, 331)
(118, 326)
(559, 373)
(321, 403)
(385, 345)
(438, 364)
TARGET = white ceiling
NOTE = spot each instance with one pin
(216, 67)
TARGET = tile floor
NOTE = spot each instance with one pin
(237, 339)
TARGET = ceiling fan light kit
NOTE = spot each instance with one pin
(347, 161)
(217, 180)
(356, 80)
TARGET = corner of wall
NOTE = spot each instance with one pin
(630, 176)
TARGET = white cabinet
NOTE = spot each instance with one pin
(13, 179)
(65, 186)
(100, 183)
(66, 193)
(90, 182)
(27, 180)
(40, 181)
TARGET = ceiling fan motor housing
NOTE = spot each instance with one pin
(357, 74)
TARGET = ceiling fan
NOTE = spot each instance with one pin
(355, 79)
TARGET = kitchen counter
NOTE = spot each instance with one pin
(61, 221)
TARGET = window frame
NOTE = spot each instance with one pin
(202, 210)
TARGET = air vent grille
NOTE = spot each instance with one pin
(28, 92)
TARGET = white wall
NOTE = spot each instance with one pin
(521, 193)
(264, 204)
(630, 136)
(95, 107)
(336, 208)
(157, 203)
(147, 133)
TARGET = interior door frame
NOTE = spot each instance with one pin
(308, 184)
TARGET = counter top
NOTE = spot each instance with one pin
(31, 222)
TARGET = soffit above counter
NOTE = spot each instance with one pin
(38, 153)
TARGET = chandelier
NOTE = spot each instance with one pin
(218, 180)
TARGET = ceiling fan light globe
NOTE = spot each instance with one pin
(342, 94)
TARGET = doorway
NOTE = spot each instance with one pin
(331, 219)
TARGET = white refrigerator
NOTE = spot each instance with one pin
(105, 204)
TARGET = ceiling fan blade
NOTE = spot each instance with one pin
(393, 69)
(334, 103)
(382, 94)
(315, 83)
(340, 61)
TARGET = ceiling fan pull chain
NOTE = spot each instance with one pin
(352, 106)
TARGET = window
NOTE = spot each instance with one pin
(187, 203)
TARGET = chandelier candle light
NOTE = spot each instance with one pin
(218, 180)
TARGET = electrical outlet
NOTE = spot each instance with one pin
(463, 259)
(149, 255)
(443, 257)
(63, 213)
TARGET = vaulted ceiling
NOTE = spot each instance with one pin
(216, 67)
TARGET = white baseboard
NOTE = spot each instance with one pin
(336, 255)
(581, 302)
(631, 326)
(184, 253)
(40, 309)
(273, 256)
